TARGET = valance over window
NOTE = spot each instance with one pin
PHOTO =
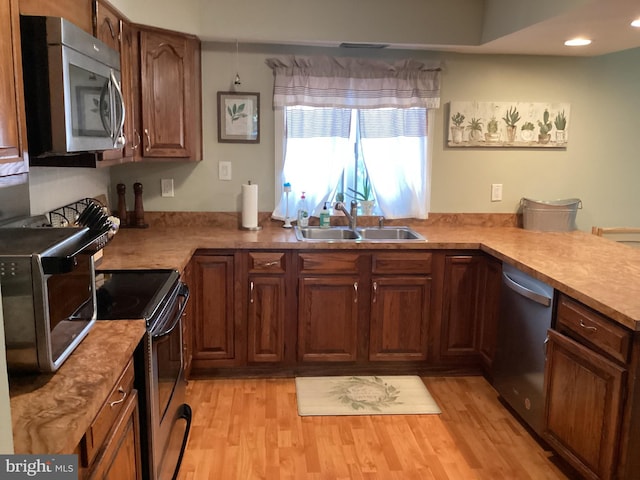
(324, 81)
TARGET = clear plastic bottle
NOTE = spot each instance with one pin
(325, 217)
(303, 212)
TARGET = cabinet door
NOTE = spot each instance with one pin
(108, 24)
(399, 318)
(461, 307)
(170, 83)
(583, 392)
(328, 318)
(266, 311)
(490, 310)
(130, 74)
(215, 335)
(13, 158)
(121, 455)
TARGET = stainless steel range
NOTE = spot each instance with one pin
(159, 297)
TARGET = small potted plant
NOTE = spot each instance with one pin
(511, 118)
(475, 129)
(457, 128)
(526, 130)
(492, 134)
(560, 123)
(545, 127)
(364, 197)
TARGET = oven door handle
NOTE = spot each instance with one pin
(164, 331)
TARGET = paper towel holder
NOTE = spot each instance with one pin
(251, 229)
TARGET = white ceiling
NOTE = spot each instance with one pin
(605, 22)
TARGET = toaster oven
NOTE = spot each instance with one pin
(47, 280)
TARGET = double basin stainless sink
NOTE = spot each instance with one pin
(368, 234)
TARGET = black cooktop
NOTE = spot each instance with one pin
(133, 294)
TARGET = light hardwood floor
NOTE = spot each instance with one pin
(250, 429)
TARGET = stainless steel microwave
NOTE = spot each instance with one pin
(73, 97)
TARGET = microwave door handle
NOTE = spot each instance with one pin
(118, 132)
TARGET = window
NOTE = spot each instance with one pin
(341, 121)
(331, 153)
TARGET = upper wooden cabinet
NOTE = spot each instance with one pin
(78, 12)
(13, 155)
(170, 93)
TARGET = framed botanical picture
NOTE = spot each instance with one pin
(238, 117)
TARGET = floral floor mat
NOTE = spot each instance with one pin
(364, 395)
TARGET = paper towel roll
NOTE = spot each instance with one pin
(250, 206)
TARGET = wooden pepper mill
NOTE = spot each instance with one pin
(122, 205)
(138, 209)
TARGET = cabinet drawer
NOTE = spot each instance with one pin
(105, 418)
(329, 262)
(267, 262)
(594, 328)
(401, 262)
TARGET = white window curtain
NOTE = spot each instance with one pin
(323, 81)
(317, 149)
(394, 150)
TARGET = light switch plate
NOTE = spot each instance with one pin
(166, 187)
(496, 192)
(224, 170)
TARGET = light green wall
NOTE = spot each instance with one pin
(600, 164)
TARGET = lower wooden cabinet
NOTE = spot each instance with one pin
(266, 318)
(400, 306)
(461, 297)
(216, 340)
(328, 318)
(110, 449)
(583, 408)
(490, 285)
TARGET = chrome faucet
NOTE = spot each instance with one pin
(351, 216)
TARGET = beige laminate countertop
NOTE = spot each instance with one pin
(600, 273)
(51, 412)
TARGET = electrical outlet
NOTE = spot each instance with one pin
(224, 170)
(166, 187)
(496, 192)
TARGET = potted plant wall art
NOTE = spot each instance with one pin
(457, 129)
(511, 118)
(545, 127)
(475, 130)
(509, 124)
(560, 122)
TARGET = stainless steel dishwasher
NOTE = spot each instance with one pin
(526, 307)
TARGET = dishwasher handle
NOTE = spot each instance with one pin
(525, 292)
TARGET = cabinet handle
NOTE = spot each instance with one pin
(375, 292)
(270, 264)
(587, 327)
(355, 290)
(250, 292)
(124, 395)
(148, 147)
(138, 139)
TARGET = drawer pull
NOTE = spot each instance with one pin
(124, 395)
(270, 264)
(375, 292)
(587, 327)
(250, 292)
(355, 291)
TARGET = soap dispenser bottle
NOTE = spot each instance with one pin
(303, 212)
(325, 217)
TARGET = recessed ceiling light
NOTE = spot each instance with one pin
(636, 23)
(577, 42)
